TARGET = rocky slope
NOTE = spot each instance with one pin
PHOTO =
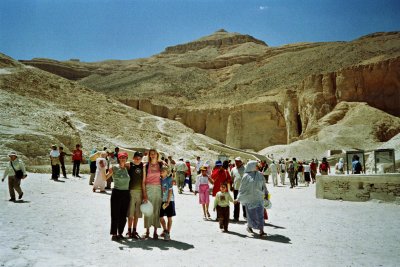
(40, 109)
(238, 90)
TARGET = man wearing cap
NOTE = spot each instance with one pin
(55, 162)
(218, 176)
(14, 183)
(237, 173)
(136, 191)
(180, 170)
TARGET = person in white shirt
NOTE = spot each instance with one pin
(237, 174)
(13, 171)
(55, 162)
(273, 170)
(180, 170)
(307, 173)
(282, 171)
(199, 163)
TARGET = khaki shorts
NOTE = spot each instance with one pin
(134, 205)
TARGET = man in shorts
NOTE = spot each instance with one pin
(136, 190)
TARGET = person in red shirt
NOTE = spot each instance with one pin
(188, 175)
(313, 168)
(77, 159)
(218, 176)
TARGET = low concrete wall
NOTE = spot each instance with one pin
(384, 187)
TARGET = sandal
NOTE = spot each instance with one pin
(135, 235)
(146, 235)
(208, 215)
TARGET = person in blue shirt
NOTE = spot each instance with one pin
(168, 204)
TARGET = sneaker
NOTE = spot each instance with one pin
(249, 230)
(114, 238)
(167, 237)
(78, 176)
(20, 196)
(12, 199)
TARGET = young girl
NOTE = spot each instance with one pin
(168, 204)
(203, 189)
(221, 204)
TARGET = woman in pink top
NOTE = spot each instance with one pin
(152, 192)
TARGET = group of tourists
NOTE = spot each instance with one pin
(147, 180)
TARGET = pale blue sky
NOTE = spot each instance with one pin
(94, 30)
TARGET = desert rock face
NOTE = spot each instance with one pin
(40, 109)
(236, 89)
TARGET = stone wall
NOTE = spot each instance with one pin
(384, 187)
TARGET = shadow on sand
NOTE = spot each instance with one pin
(21, 201)
(275, 226)
(150, 244)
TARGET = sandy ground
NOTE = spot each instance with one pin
(65, 224)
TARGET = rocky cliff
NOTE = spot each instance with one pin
(236, 89)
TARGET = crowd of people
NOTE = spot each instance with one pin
(148, 179)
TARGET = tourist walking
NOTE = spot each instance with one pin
(120, 197)
(307, 173)
(77, 159)
(15, 170)
(273, 170)
(221, 205)
(55, 163)
(199, 164)
(236, 174)
(339, 167)
(152, 192)
(282, 171)
(188, 175)
(62, 161)
(291, 173)
(251, 195)
(180, 171)
(313, 169)
(218, 176)
(203, 189)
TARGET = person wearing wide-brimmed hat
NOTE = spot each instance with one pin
(14, 167)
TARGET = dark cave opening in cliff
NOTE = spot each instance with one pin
(299, 124)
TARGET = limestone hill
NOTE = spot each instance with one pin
(236, 89)
(40, 109)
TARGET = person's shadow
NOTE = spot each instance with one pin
(150, 244)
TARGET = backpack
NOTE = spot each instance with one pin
(291, 168)
(358, 167)
(324, 166)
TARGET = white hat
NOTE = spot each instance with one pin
(12, 153)
(147, 209)
(238, 159)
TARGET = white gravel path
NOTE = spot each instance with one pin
(65, 224)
